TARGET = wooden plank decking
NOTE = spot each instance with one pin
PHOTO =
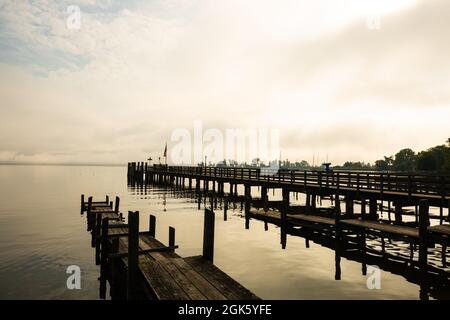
(164, 274)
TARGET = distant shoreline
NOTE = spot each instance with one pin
(63, 164)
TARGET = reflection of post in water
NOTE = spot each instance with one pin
(225, 208)
(199, 200)
(248, 199)
(337, 258)
(164, 201)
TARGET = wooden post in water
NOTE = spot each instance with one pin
(116, 208)
(104, 257)
(82, 204)
(133, 259)
(152, 226)
(424, 222)
(171, 236)
(208, 235)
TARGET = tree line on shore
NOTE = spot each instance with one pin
(433, 159)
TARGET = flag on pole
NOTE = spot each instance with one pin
(165, 151)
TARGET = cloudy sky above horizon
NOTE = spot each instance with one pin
(321, 72)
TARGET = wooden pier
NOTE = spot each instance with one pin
(138, 266)
(375, 193)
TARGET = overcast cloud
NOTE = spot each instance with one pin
(114, 90)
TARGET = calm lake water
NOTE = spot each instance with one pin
(42, 233)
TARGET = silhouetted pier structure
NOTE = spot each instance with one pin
(138, 266)
(373, 193)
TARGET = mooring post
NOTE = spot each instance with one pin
(424, 222)
(208, 235)
(133, 259)
(82, 204)
(171, 236)
(152, 226)
(116, 208)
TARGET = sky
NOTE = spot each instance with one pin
(342, 80)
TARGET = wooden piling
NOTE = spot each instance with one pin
(152, 226)
(171, 236)
(424, 222)
(133, 259)
(82, 204)
(208, 235)
(117, 204)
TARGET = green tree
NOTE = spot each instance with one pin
(381, 165)
(405, 160)
(434, 159)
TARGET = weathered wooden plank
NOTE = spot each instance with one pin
(388, 228)
(440, 229)
(311, 218)
(159, 280)
(223, 282)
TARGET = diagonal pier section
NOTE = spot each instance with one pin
(138, 266)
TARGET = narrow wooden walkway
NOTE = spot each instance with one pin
(160, 272)
(275, 216)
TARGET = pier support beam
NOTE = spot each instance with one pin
(398, 212)
(349, 205)
(373, 209)
(264, 198)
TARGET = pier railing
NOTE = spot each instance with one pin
(410, 183)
